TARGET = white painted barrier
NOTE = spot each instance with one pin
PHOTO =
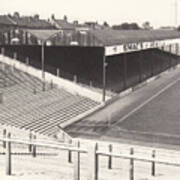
(81, 116)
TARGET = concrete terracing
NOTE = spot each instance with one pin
(30, 105)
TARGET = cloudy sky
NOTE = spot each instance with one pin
(158, 12)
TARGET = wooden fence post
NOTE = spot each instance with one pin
(15, 55)
(51, 84)
(8, 156)
(5, 79)
(153, 172)
(12, 69)
(77, 163)
(177, 49)
(131, 170)
(70, 156)
(30, 139)
(3, 51)
(34, 90)
(34, 148)
(43, 85)
(58, 72)
(1, 97)
(3, 67)
(4, 136)
(93, 162)
(75, 78)
(90, 84)
(110, 157)
(27, 61)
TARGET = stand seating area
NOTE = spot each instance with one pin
(26, 105)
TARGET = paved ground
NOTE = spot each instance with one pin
(57, 167)
(149, 114)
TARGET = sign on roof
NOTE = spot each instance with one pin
(131, 47)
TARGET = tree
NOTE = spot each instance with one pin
(105, 24)
(147, 26)
(16, 14)
(126, 26)
(53, 16)
(134, 26)
(36, 16)
(65, 18)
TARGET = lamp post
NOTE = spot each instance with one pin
(42, 64)
(42, 59)
(43, 36)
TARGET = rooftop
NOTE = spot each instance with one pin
(43, 34)
(63, 24)
(6, 20)
(110, 37)
(31, 22)
(25, 21)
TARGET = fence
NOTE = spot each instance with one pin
(93, 154)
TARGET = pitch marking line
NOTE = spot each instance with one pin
(147, 101)
(150, 133)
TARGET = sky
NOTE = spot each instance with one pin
(157, 12)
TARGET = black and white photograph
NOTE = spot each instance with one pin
(90, 90)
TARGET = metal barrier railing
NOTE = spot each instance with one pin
(92, 151)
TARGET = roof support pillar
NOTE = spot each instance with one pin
(170, 58)
(176, 49)
(125, 71)
(177, 52)
(140, 66)
(152, 65)
(170, 61)
(26, 38)
(104, 77)
(161, 65)
(42, 59)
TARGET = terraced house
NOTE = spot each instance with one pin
(13, 28)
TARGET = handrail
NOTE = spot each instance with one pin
(73, 148)
(40, 144)
(138, 158)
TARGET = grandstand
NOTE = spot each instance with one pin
(131, 56)
(123, 70)
(139, 67)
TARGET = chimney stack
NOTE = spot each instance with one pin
(53, 17)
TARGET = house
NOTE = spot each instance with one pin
(13, 26)
(30, 22)
(6, 24)
(62, 24)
